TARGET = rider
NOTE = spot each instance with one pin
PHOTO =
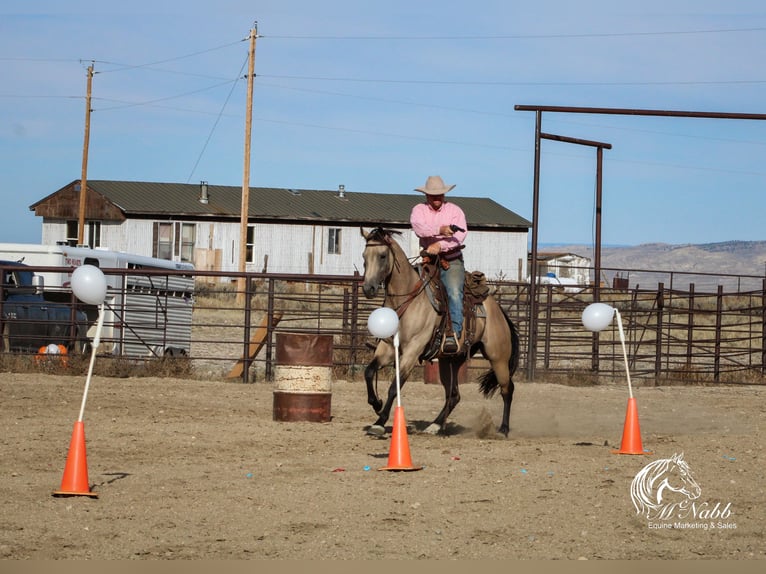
(442, 229)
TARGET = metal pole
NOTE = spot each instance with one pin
(597, 246)
(532, 337)
(641, 112)
(597, 255)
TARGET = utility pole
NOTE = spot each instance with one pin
(84, 174)
(241, 283)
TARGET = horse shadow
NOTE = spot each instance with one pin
(418, 427)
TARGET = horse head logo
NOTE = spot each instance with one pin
(662, 486)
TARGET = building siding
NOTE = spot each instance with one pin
(291, 227)
(295, 248)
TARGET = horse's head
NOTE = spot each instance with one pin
(653, 486)
(678, 478)
(378, 259)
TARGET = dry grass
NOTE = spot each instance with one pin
(117, 367)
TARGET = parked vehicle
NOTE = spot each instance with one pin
(30, 322)
(145, 313)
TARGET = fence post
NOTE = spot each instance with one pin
(763, 327)
(717, 353)
(548, 307)
(269, 344)
(594, 360)
(658, 342)
(248, 313)
(690, 327)
(5, 344)
(354, 319)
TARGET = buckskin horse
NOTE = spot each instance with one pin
(407, 292)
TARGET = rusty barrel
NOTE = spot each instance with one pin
(431, 372)
(303, 377)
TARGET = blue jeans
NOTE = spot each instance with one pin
(453, 280)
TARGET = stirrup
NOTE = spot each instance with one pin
(450, 345)
(459, 343)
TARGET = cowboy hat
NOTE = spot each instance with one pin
(435, 186)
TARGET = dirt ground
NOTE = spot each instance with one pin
(189, 469)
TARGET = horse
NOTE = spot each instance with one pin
(657, 481)
(494, 335)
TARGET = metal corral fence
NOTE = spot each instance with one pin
(672, 335)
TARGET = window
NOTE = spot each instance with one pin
(250, 244)
(174, 241)
(163, 248)
(94, 234)
(188, 233)
(72, 233)
(333, 241)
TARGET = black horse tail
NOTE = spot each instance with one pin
(488, 382)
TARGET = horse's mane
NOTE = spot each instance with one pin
(382, 234)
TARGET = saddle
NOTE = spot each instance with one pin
(475, 291)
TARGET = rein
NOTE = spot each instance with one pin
(419, 286)
(410, 297)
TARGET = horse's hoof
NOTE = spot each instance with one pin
(376, 430)
(433, 429)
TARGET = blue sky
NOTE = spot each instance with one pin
(376, 96)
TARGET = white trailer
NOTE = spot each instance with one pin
(146, 314)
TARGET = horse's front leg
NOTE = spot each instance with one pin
(369, 376)
(378, 428)
(384, 355)
(448, 373)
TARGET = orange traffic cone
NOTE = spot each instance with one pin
(631, 433)
(75, 480)
(399, 454)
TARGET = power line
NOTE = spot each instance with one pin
(217, 119)
(72, 60)
(503, 83)
(165, 61)
(148, 102)
(386, 100)
(180, 73)
(122, 67)
(38, 96)
(520, 36)
(391, 135)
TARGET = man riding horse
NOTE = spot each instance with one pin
(488, 330)
(442, 229)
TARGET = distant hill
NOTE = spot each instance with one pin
(725, 258)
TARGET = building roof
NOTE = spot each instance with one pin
(151, 199)
(547, 255)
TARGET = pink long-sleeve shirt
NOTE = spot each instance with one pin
(426, 222)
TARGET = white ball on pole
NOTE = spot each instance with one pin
(383, 322)
(597, 316)
(89, 284)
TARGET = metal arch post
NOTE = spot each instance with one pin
(532, 335)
